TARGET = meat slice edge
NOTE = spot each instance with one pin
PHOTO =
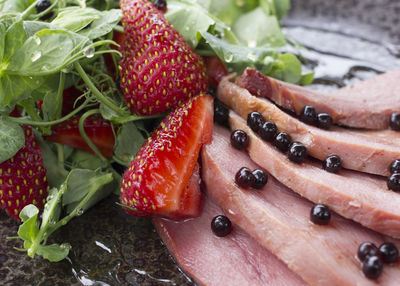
(236, 259)
(279, 220)
(358, 196)
(366, 151)
(366, 104)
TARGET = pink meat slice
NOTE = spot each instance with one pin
(361, 150)
(366, 104)
(358, 196)
(236, 259)
(279, 220)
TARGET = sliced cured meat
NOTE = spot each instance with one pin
(236, 259)
(279, 220)
(358, 196)
(366, 104)
(366, 151)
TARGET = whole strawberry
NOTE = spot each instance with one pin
(23, 178)
(159, 70)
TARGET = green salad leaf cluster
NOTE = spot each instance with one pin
(42, 53)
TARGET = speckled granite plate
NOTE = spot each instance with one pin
(345, 40)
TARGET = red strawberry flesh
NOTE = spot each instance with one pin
(159, 70)
(155, 183)
(23, 178)
(96, 128)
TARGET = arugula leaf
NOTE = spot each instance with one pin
(102, 26)
(75, 18)
(129, 140)
(48, 51)
(257, 29)
(12, 138)
(287, 68)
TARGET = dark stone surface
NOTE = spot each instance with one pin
(109, 247)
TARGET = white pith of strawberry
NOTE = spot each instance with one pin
(23, 178)
(159, 181)
(159, 70)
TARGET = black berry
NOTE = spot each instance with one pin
(221, 114)
(282, 141)
(42, 5)
(260, 178)
(239, 139)
(395, 121)
(332, 164)
(244, 178)
(372, 267)
(161, 5)
(367, 249)
(324, 121)
(221, 225)
(308, 115)
(268, 131)
(393, 182)
(297, 152)
(320, 214)
(255, 121)
(389, 252)
(395, 166)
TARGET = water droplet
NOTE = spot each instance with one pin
(80, 212)
(37, 40)
(88, 52)
(228, 57)
(35, 56)
(252, 57)
(44, 68)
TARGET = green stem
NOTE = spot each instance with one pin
(49, 123)
(29, 10)
(60, 94)
(118, 28)
(41, 14)
(60, 155)
(100, 97)
(84, 135)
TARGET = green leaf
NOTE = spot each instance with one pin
(287, 68)
(32, 27)
(12, 138)
(189, 19)
(54, 252)
(257, 29)
(48, 51)
(2, 43)
(29, 229)
(307, 78)
(102, 26)
(52, 208)
(14, 88)
(84, 160)
(15, 38)
(56, 173)
(80, 183)
(281, 7)
(12, 6)
(235, 54)
(129, 140)
(75, 18)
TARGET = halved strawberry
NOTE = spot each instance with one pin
(157, 181)
(23, 178)
(97, 129)
(159, 70)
